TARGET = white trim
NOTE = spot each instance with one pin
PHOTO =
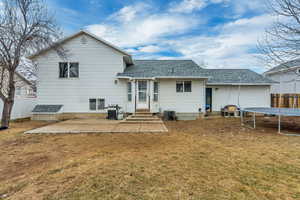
(281, 70)
(46, 113)
(162, 77)
(135, 78)
(237, 84)
(182, 77)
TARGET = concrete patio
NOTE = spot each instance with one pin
(98, 126)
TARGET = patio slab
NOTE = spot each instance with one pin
(97, 126)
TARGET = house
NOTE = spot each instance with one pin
(25, 98)
(97, 74)
(287, 77)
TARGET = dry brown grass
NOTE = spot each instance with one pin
(203, 159)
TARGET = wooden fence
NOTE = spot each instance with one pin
(286, 100)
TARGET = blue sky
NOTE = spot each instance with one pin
(216, 33)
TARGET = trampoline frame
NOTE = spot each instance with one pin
(271, 111)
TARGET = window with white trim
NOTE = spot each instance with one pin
(101, 104)
(129, 91)
(155, 91)
(68, 70)
(18, 91)
(183, 86)
(97, 104)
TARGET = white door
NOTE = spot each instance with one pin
(142, 94)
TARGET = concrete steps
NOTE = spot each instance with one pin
(143, 111)
(141, 122)
(142, 117)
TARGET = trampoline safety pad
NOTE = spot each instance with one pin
(274, 111)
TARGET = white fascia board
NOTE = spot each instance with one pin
(282, 70)
(182, 77)
(243, 84)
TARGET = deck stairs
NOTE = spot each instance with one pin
(142, 116)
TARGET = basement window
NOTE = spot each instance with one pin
(183, 86)
(101, 104)
(97, 104)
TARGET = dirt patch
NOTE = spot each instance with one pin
(203, 159)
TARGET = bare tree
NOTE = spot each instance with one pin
(25, 27)
(281, 43)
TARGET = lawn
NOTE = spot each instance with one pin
(203, 159)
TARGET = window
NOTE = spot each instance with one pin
(74, 70)
(18, 91)
(97, 104)
(92, 104)
(101, 104)
(184, 86)
(187, 86)
(63, 70)
(129, 91)
(68, 70)
(155, 91)
(179, 86)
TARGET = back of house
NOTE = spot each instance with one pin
(97, 74)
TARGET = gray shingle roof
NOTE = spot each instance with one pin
(188, 68)
(293, 63)
(156, 68)
(47, 108)
(236, 76)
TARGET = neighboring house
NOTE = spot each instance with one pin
(287, 76)
(25, 98)
(97, 74)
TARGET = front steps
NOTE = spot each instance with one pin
(142, 117)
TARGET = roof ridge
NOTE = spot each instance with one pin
(74, 35)
(228, 69)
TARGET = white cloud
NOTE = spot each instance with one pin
(146, 34)
(128, 13)
(187, 6)
(143, 28)
(231, 48)
(240, 7)
(150, 49)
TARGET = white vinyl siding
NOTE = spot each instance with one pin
(288, 84)
(99, 65)
(250, 96)
(189, 102)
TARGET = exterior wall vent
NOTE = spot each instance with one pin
(83, 40)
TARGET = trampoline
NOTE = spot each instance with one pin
(295, 112)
